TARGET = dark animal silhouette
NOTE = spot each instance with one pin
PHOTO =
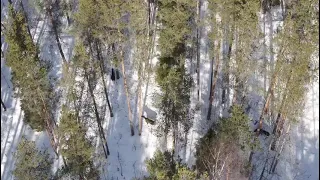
(112, 75)
(262, 131)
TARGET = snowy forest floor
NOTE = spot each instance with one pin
(127, 153)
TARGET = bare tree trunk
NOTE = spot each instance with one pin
(174, 141)
(270, 90)
(149, 15)
(127, 95)
(279, 120)
(227, 61)
(198, 49)
(226, 75)
(264, 46)
(140, 109)
(3, 27)
(228, 172)
(234, 84)
(264, 168)
(214, 82)
(49, 126)
(276, 159)
(102, 70)
(68, 18)
(56, 34)
(282, 8)
(148, 65)
(102, 137)
(3, 105)
(141, 73)
(174, 127)
(266, 105)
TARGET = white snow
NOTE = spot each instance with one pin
(128, 153)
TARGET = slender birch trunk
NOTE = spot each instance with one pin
(127, 96)
(147, 69)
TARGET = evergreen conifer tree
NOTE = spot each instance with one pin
(31, 163)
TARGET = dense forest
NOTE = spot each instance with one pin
(159, 70)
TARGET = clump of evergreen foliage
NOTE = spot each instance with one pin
(76, 148)
(29, 74)
(31, 163)
(163, 167)
(175, 83)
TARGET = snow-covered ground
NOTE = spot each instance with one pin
(301, 157)
(128, 153)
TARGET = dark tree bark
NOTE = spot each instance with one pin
(226, 89)
(102, 70)
(113, 75)
(213, 82)
(268, 99)
(140, 102)
(102, 136)
(277, 157)
(280, 121)
(68, 18)
(149, 13)
(3, 28)
(3, 105)
(48, 125)
(198, 49)
(174, 127)
(56, 33)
